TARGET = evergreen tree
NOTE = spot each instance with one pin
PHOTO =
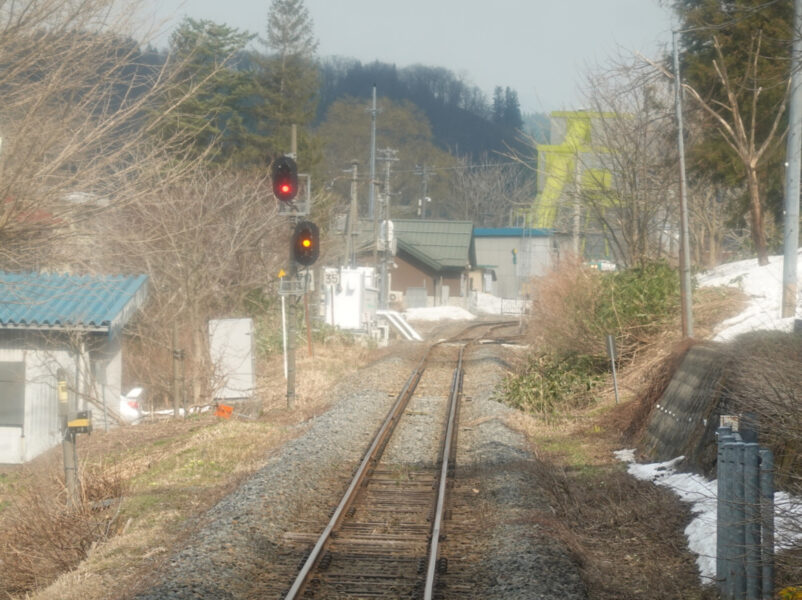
(745, 43)
(219, 99)
(290, 30)
(498, 104)
(289, 80)
(512, 110)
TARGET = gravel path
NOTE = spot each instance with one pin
(238, 537)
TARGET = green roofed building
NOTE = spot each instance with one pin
(432, 260)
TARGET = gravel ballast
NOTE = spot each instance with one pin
(237, 539)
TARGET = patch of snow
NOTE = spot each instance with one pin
(493, 305)
(627, 455)
(439, 313)
(763, 285)
(701, 494)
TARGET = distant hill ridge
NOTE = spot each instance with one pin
(464, 122)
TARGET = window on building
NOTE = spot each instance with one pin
(12, 394)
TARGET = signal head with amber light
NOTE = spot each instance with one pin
(306, 243)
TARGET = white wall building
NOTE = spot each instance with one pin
(59, 328)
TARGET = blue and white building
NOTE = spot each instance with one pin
(59, 328)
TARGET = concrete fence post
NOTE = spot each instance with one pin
(724, 435)
(767, 522)
(729, 519)
(751, 521)
(745, 519)
(739, 526)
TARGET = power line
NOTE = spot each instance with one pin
(430, 169)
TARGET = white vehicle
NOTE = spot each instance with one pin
(130, 410)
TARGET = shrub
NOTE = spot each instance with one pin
(549, 383)
(577, 307)
(639, 303)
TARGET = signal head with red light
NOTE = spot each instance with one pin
(284, 174)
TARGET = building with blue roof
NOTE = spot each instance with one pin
(53, 328)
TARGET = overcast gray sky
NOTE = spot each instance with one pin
(540, 48)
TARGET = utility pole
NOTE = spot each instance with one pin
(353, 215)
(371, 189)
(577, 220)
(388, 156)
(293, 276)
(685, 248)
(424, 174)
(372, 212)
(65, 407)
(792, 171)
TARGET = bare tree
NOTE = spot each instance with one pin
(708, 205)
(625, 177)
(210, 243)
(736, 118)
(489, 192)
(76, 120)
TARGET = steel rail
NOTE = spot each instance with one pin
(451, 429)
(491, 325)
(350, 494)
(373, 454)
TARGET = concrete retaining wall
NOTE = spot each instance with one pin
(683, 422)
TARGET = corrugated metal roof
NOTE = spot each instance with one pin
(511, 232)
(53, 301)
(438, 244)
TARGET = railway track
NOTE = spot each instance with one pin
(383, 538)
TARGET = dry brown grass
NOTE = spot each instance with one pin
(564, 300)
(657, 375)
(763, 381)
(165, 474)
(607, 519)
(42, 537)
(626, 535)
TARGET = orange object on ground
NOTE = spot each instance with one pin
(223, 411)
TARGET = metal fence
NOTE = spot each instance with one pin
(745, 519)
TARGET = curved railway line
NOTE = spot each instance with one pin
(383, 538)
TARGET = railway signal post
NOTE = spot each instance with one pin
(304, 245)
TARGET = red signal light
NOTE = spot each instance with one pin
(284, 174)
